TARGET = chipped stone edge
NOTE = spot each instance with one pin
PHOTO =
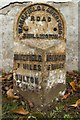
(12, 4)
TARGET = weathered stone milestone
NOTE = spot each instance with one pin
(39, 68)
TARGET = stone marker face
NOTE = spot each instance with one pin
(39, 57)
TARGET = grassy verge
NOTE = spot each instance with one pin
(60, 109)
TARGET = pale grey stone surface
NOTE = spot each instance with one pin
(7, 17)
(70, 12)
(5, 2)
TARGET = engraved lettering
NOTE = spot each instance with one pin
(44, 19)
(49, 19)
(36, 81)
(32, 18)
(32, 80)
(38, 8)
(38, 18)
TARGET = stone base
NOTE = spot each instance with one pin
(41, 99)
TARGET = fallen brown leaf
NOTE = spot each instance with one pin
(6, 77)
(78, 86)
(30, 104)
(20, 111)
(2, 78)
(11, 95)
(73, 85)
(66, 107)
(65, 96)
(77, 104)
(9, 76)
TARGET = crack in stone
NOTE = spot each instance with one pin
(11, 5)
(5, 13)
